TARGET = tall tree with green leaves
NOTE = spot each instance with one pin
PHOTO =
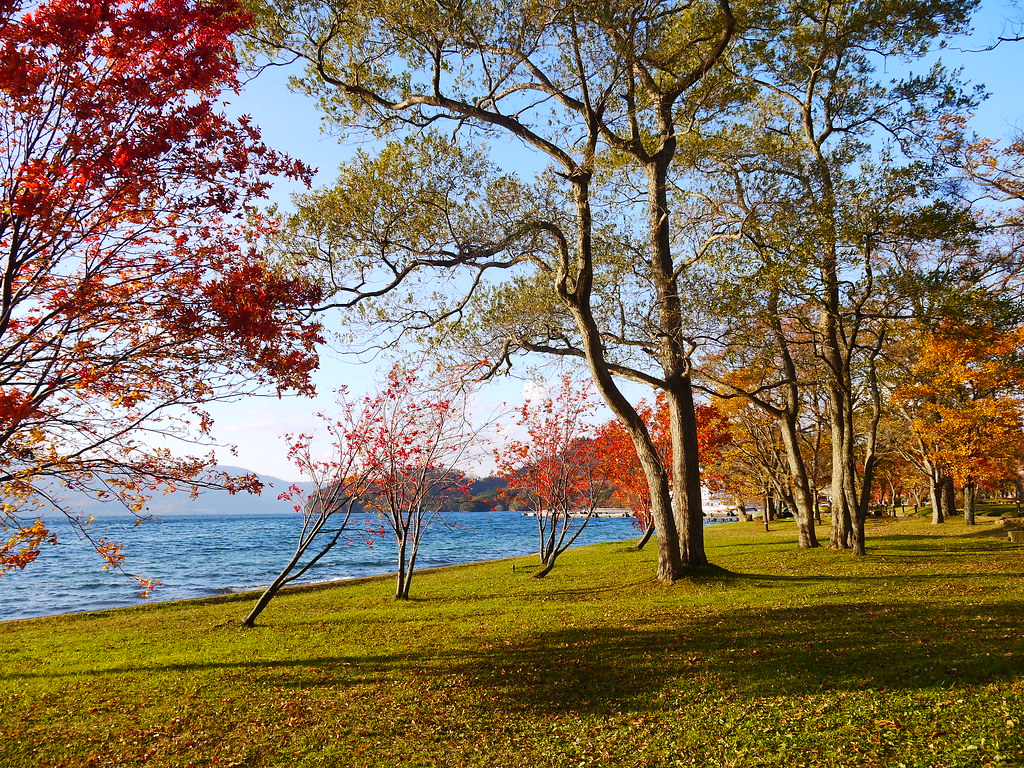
(833, 171)
(586, 91)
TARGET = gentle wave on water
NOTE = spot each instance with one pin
(207, 555)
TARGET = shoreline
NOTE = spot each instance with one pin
(194, 591)
(311, 586)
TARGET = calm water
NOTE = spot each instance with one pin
(203, 555)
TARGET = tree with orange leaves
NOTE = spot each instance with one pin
(131, 293)
(620, 463)
(965, 407)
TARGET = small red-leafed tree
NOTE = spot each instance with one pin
(619, 461)
(557, 467)
(131, 295)
(337, 481)
(416, 436)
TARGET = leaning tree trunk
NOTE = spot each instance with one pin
(291, 571)
(670, 564)
(801, 485)
(266, 597)
(562, 544)
(787, 418)
(646, 536)
(574, 290)
(545, 569)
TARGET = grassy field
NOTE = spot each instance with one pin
(911, 656)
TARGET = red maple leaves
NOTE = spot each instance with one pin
(130, 291)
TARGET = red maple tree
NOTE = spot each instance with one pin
(131, 294)
(414, 438)
(338, 478)
(557, 469)
(620, 463)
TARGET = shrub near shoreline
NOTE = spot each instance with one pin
(911, 655)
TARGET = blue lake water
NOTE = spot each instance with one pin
(204, 555)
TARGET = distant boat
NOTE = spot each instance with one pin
(716, 509)
(614, 512)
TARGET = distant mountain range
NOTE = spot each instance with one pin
(224, 503)
(179, 503)
(483, 494)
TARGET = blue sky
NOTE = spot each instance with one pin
(290, 122)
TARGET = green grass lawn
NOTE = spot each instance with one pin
(913, 656)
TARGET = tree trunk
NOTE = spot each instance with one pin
(266, 597)
(288, 573)
(401, 590)
(575, 293)
(545, 569)
(801, 485)
(935, 490)
(835, 346)
(787, 418)
(547, 539)
(687, 503)
(409, 569)
(948, 497)
(970, 496)
(862, 498)
(839, 534)
(854, 521)
(648, 532)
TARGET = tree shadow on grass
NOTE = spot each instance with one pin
(988, 532)
(964, 541)
(624, 666)
(753, 579)
(780, 652)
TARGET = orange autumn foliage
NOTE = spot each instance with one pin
(967, 402)
(619, 459)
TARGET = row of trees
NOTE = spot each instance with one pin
(398, 457)
(775, 203)
(949, 416)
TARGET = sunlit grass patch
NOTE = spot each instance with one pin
(775, 656)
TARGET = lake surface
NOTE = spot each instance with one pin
(204, 555)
